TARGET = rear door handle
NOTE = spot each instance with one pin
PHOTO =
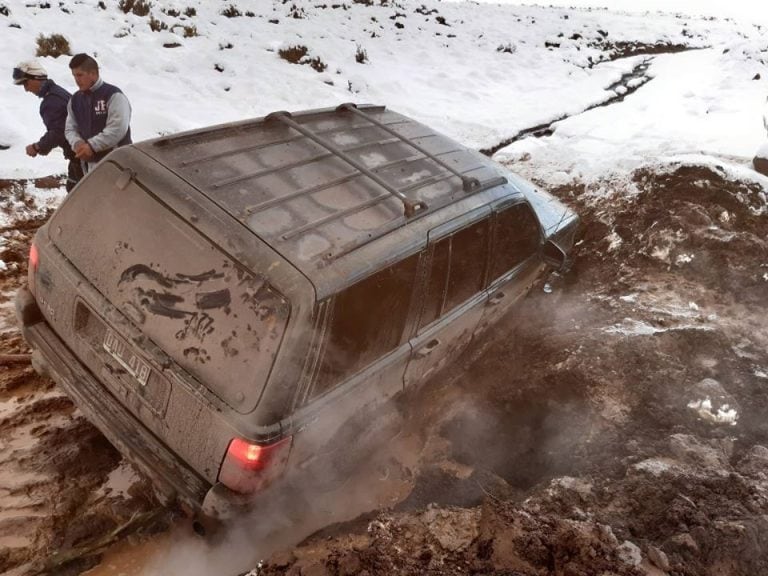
(496, 298)
(427, 349)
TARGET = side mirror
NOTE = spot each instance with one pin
(553, 255)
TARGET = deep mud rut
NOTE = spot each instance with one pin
(613, 426)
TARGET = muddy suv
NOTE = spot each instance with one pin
(237, 303)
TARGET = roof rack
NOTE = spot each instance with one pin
(251, 147)
(285, 117)
(470, 184)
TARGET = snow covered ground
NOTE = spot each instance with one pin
(478, 72)
(481, 73)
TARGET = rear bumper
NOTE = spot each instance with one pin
(172, 478)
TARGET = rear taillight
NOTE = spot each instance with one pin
(249, 467)
(34, 262)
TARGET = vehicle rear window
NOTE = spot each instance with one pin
(220, 322)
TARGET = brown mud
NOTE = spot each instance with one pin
(613, 426)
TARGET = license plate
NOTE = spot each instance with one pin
(121, 352)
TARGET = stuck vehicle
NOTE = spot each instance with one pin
(232, 306)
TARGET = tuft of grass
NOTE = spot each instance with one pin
(317, 64)
(138, 7)
(507, 48)
(361, 56)
(157, 25)
(293, 54)
(296, 12)
(189, 12)
(141, 7)
(54, 45)
(231, 12)
(172, 12)
(299, 54)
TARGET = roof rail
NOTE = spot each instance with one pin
(469, 184)
(411, 207)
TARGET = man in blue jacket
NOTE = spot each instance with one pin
(53, 111)
(99, 114)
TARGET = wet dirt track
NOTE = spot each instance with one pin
(615, 425)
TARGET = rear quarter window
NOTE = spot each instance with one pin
(368, 321)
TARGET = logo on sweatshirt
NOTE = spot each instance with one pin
(101, 107)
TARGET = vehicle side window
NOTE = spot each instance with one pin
(516, 237)
(368, 322)
(458, 270)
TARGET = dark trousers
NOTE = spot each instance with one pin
(74, 173)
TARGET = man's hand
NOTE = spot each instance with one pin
(31, 150)
(83, 151)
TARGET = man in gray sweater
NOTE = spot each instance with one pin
(99, 114)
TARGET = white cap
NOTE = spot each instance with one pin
(29, 70)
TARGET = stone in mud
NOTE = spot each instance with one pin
(689, 450)
(454, 529)
(658, 557)
(630, 553)
(755, 462)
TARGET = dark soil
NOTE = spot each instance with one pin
(578, 450)
(570, 442)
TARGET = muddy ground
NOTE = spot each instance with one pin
(613, 425)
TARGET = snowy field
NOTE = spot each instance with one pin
(480, 73)
(667, 293)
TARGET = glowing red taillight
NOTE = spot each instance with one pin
(34, 262)
(34, 257)
(249, 467)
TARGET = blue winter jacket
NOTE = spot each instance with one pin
(53, 111)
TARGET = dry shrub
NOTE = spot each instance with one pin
(189, 12)
(361, 56)
(157, 25)
(317, 64)
(231, 12)
(293, 54)
(298, 55)
(138, 7)
(54, 45)
(296, 12)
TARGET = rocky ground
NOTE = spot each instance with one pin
(615, 425)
